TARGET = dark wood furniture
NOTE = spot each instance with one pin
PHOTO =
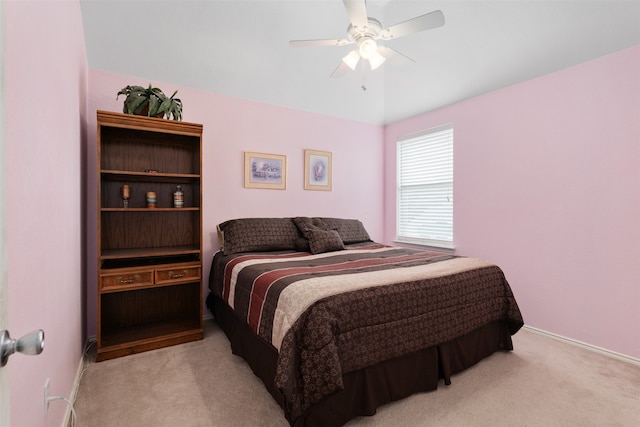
(149, 259)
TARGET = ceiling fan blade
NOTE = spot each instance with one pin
(357, 11)
(393, 55)
(327, 42)
(340, 70)
(424, 22)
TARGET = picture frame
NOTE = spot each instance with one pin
(318, 170)
(263, 170)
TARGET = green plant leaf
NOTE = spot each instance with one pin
(128, 90)
(134, 104)
(154, 105)
(176, 110)
(139, 97)
(157, 92)
(165, 106)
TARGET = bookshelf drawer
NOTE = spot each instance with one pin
(126, 279)
(177, 274)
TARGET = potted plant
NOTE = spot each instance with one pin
(150, 102)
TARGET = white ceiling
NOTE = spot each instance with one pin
(240, 48)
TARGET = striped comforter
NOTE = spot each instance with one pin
(332, 313)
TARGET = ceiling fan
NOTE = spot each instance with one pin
(364, 31)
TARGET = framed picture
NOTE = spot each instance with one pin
(317, 170)
(265, 170)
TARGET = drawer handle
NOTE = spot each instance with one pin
(178, 275)
(128, 281)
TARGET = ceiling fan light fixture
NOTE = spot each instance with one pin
(367, 47)
(376, 60)
(363, 31)
(351, 59)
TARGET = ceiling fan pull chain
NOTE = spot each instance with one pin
(364, 82)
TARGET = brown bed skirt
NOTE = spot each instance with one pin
(369, 388)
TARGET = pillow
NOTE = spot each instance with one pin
(304, 223)
(321, 241)
(220, 237)
(302, 245)
(350, 230)
(258, 234)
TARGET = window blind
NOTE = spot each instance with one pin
(425, 188)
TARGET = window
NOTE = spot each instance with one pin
(425, 188)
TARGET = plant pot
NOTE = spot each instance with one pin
(145, 112)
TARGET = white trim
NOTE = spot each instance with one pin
(423, 246)
(603, 351)
(82, 366)
(423, 132)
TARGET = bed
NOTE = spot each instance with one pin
(336, 325)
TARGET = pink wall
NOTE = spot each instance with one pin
(46, 90)
(233, 125)
(547, 185)
(539, 166)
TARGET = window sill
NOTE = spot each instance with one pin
(424, 246)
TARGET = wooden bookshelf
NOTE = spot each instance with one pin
(149, 259)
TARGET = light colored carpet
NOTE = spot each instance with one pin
(543, 382)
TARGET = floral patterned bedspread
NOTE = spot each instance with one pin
(336, 312)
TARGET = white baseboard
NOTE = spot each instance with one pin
(584, 345)
(66, 422)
